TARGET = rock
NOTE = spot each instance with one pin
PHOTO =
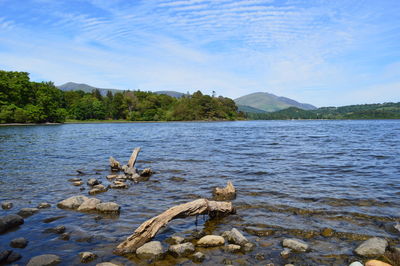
(130, 171)
(65, 236)
(285, 253)
(327, 232)
(72, 202)
(147, 172)
(97, 189)
(26, 212)
(93, 182)
(19, 242)
(295, 244)
(356, 263)
(226, 193)
(211, 241)
(111, 177)
(153, 250)
(248, 247)
(44, 260)
(181, 250)
(56, 230)
(235, 237)
(114, 164)
(13, 256)
(108, 207)
(52, 219)
(75, 179)
(232, 248)
(87, 256)
(119, 185)
(198, 257)
(4, 255)
(77, 183)
(397, 227)
(173, 240)
(6, 205)
(43, 205)
(107, 264)
(376, 263)
(10, 221)
(372, 247)
(289, 264)
(89, 204)
(260, 256)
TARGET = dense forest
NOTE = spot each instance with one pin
(362, 111)
(24, 101)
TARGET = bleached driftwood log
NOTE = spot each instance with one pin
(132, 160)
(149, 229)
(226, 193)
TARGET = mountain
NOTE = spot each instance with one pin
(174, 94)
(270, 103)
(249, 109)
(72, 86)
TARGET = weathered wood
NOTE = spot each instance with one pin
(226, 193)
(132, 160)
(149, 229)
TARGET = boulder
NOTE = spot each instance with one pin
(86, 257)
(10, 221)
(110, 207)
(198, 257)
(376, 263)
(232, 248)
(181, 250)
(114, 164)
(211, 241)
(43, 205)
(6, 205)
(19, 242)
(26, 212)
(72, 202)
(93, 182)
(372, 247)
(56, 230)
(89, 204)
(152, 250)
(235, 237)
(295, 244)
(44, 260)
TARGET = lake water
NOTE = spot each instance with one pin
(293, 178)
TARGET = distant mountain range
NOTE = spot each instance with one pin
(259, 102)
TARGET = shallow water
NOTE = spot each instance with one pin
(293, 179)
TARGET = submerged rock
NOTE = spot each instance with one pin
(9, 256)
(295, 244)
(19, 242)
(327, 232)
(235, 236)
(56, 230)
(198, 257)
(372, 247)
(211, 241)
(6, 205)
(44, 260)
(181, 250)
(173, 240)
(10, 221)
(44, 205)
(248, 247)
(110, 207)
(152, 250)
(26, 212)
(72, 202)
(86, 257)
(89, 204)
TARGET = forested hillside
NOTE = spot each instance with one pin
(24, 101)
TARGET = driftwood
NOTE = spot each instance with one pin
(132, 160)
(149, 229)
(226, 193)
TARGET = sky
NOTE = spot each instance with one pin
(322, 52)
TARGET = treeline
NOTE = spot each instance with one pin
(362, 111)
(24, 101)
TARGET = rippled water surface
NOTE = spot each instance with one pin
(293, 179)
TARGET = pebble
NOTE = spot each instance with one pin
(19, 242)
(211, 241)
(87, 256)
(44, 260)
(6, 205)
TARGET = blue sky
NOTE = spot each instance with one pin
(323, 52)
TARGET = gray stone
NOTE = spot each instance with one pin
(372, 247)
(89, 204)
(10, 221)
(72, 202)
(19, 242)
(152, 250)
(56, 230)
(295, 244)
(44, 205)
(181, 250)
(93, 182)
(211, 241)
(87, 256)
(6, 205)
(198, 257)
(108, 207)
(235, 237)
(26, 212)
(248, 247)
(356, 263)
(232, 248)
(286, 252)
(44, 260)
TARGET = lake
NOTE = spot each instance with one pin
(293, 179)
